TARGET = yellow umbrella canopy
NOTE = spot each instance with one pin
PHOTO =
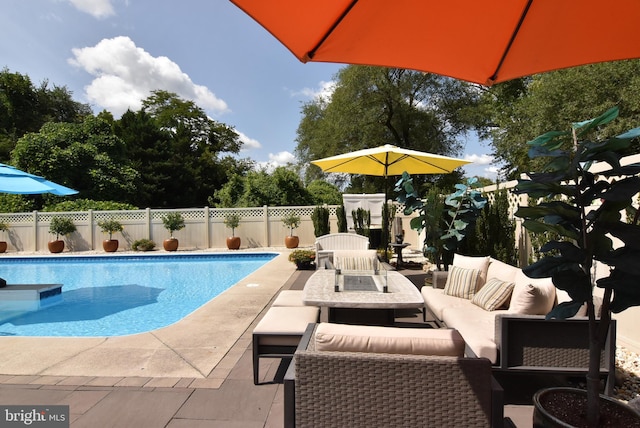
(389, 160)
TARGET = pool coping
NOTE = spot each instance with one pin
(198, 350)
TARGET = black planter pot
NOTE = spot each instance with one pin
(616, 412)
(306, 265)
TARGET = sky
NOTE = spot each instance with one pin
(112, 53)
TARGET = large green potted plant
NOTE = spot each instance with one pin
(3, 244)
(586, 214)
(291, 221)
(232, 221)
(172, 222)
(110, 226)
(446, 221)
(60, 226)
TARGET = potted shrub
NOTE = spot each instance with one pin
(110, 226)
(3, 244)
(143, 245)
(304, 259)
(585, 217)
(60, 226)
(232, 221)
(291, 221)
(172, 222)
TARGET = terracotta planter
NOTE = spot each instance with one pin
(233, 242)
(547, 403)
(291, 241)
(110, 245)
(56, 246)
(170, 244)
(3, 246)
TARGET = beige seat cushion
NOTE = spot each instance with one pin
(477, 327)
(532, 296)
(388, 340)
(437, 301)
(288, 298)
(284, 325)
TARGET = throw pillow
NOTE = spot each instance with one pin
(473, 262)
(493, 295)
(532, 296)
(461, 282)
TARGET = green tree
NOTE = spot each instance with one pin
(324, 193)
(494, 222)
(149, 149)
(25, 108)
(197, 145)
(282, 187)
(518, 111)
(372, 106)
(84, 156)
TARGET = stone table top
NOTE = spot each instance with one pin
(319, 291)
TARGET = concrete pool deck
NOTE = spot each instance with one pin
(191, 348)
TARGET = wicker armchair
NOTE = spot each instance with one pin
(355, 389)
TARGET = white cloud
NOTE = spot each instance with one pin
(324, 91)
(126, 74)
(276, 160)
(282, 158)
(247, 142)
(97, 8)
(479, 159)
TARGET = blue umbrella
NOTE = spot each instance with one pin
(13, 180)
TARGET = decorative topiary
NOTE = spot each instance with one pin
(110, 226)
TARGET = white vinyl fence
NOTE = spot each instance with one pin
(259, 227)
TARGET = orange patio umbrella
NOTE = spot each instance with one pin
(481, 41)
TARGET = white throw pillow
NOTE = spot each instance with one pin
(532, 296)
(502, 270)
(481, 264)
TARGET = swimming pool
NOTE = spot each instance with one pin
(120, 295)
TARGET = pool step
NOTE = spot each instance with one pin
(19, 298)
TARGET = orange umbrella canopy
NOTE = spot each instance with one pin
(481, 41)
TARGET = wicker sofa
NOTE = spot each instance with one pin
(511, 331)
(363, 376)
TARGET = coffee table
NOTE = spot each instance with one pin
(373, 307)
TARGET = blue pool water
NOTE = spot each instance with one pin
(120, 295)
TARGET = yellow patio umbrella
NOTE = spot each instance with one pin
(389, 160)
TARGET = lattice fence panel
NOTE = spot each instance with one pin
(16, 218)
(197, 214)
(125, 216)
(285, 211)
(244, 213)
(76, 217)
